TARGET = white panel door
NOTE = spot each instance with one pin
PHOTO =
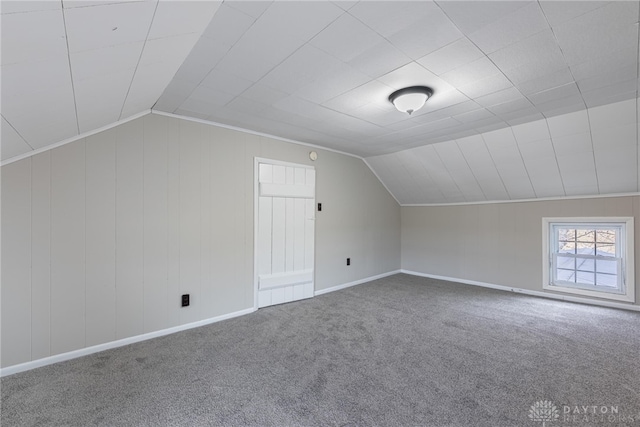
(285, 232)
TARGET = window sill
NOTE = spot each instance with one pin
(628, 297)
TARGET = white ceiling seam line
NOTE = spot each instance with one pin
(73, 86)
(541, 199)
(74, 138)
(381, 181)
(133, 77)
(17, 133)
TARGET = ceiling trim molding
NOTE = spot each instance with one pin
(541, 199)
(74, 138)
(252, 132)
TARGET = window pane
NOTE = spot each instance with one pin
(606, 236)
(607, 266)
(606, 249)
(566, 247)
(567, 234)
(566, 275)
(607, 280)
(565, 262)
(586, 248)
(586, 278)
(586, 235)
(585, 264)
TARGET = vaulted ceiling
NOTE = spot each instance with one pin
(531, 98)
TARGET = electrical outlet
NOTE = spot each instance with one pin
(185, 300)
(348, 261)
(319, 207)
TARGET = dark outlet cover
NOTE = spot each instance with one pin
(348, 261)
(319, 207)
(185, 300)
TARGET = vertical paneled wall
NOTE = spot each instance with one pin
(499, 243)
(101, 236)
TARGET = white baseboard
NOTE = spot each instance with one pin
(528, 292)
(114, 344)
(357, 282)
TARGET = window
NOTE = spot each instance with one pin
(589, 256)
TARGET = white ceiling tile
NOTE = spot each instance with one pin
(264, 94)
(12, 143)
(373, 92)
(612, 115)
(306, 65)
(519, 118)
(543, 82)
(35, 36)
(572, 143)
(41, 136)
(471, 72)
(432, 32)
(605, 63)
(622, 135)
(168, 52)
(253, 8)
(510, 94)
(486, 86)
(102, 26)
(70, 4)
(337, 81)
(105, 61)
(582, 190)
(471, 16)
(451, 56)
(569, 124)
(174, 18)
(228, 25)
(617, 92)
(29, 6)
(379, 59)
(415, 75)
(561, 11)
(532, 131)
(345, 38)
(565, 91)
(226, 82)
(473, 116)
(511, 106)
(33, 77)
(517, 25)
(387, 18)
(537, 53)
(610, 27)
(48, 106)
(621, 75)
(537, 149)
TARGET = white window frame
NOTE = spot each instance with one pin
(626, 270)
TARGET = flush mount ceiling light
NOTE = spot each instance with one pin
(410, 99)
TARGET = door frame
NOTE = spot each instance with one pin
(256, 200)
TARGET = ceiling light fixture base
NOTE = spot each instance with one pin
(410, 99)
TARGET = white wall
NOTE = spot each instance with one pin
(498, 243)
(101, 236)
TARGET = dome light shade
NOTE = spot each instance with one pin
(410, 99)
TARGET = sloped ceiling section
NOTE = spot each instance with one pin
(581, 153)
(321, 72)
(69, 67)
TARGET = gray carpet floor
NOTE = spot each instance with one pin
(400, 351)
